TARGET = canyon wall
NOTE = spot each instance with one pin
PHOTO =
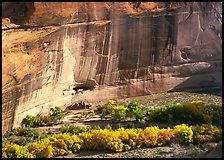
(58, 53)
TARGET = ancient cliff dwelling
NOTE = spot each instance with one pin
(59, 53)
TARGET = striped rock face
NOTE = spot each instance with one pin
(58, 53)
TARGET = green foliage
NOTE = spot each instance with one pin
(158, 115)
(195, 112)
(96, 127)
(119, 112)
(31, 121)
(70, 128)
(10, 133)
(85, 129)
(39, 120)
(27, 131)
(103, 113)
(130, 125)
(206, 132)
(139, 113)
(73, 129)
(64, 128)
(22, 141)
(118, 125)
(48, 120)
(142, 123)
(106, 109)
(108, 127)
(21, 135)
(134, 110)
(213, 114)
(133, 105)
(57, 112)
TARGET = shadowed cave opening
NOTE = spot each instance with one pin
(21, 11)
(83, 88)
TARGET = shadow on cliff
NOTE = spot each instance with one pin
(202, 87)
(18, 12)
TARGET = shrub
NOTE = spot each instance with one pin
(48, 120)
(130, 138)
(117, 140)
(149, 136)
(130, 125)
(175, 112)
(206, 132)
(70, 128)
(158, 115)
(103, 113)
(133, 105)
(108, 127)
(165, 136)
(138, 113)
(28, 132)
(95, 139)
(80, 115)
(28, 135)
(96, 127)
(215, 114)
(74, 129)
(195, 112)
(10, 133)
(16, 151)
(135, 111)
(119, 112)
(48, 152)
(31, 121)
(92, 113)
(57, 112)
(40, 148)
(202, 113)
(39, 120)
(110, 102)
(142, 123)
(64, 128)
(106, 109)
(22, 141)
(183, 133)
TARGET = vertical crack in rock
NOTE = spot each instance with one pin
(139, 50)
(103, 57)
(172, 36)
(107, 74)
(9, 108)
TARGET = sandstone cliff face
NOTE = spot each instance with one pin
(106, 49)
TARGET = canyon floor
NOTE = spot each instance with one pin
(213, 95)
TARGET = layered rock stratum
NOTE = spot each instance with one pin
(58, 53)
